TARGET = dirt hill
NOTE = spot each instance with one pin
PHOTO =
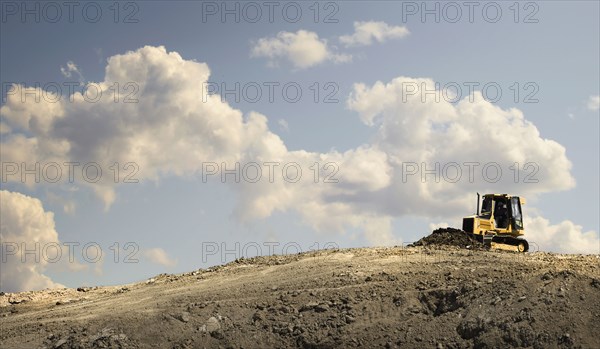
(432, 296)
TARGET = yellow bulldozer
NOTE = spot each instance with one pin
(499, 225)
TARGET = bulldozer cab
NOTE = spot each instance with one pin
(505, 210)
(499, 224)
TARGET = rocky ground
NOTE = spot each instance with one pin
(441, 293)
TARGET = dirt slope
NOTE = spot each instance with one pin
(418, 297)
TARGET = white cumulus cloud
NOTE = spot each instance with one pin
(25, 225)
(159, 256)
(434, 226)
(426, 132)
(303, 49)
(172, 115)
(564, 237)
(70, 69)
(366, 33)
(593, 103)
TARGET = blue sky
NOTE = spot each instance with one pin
(550, 56)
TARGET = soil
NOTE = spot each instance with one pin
(439, 295)
(449, 237)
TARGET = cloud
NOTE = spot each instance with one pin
(159, 256)
(171, 116)
(25, 225)
(175, 128)
(564, 237)
(4, 128)
(425, 132)
(434, 226)
(593, 103)
(303, 49)
(283, 124)
(70, 69)
(366, 33)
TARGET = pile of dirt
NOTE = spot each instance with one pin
(444, 298)
(449, 237)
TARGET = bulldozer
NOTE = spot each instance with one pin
(499, 225)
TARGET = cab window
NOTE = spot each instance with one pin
(486, 207)
(516, 212)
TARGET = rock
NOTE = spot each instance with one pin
(212, 324)
(217, 334)
(347, 300)
(321, 308)
(566, 340)
(309, 306)
(183, 317)
(108, 338)
(398, 300)
(258, 316)
(60, 343)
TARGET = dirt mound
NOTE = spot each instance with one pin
(450, 298)
(449, 237)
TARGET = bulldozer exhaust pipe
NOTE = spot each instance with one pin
(477, 213)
